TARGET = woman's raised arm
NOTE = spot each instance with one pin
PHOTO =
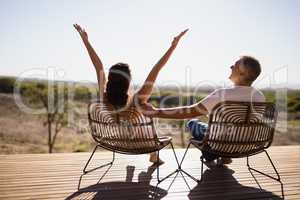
(95, 59)
(145, 92)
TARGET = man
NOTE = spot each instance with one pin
(243, 73)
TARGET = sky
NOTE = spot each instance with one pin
(38, 39)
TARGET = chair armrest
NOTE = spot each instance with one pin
(164, 139)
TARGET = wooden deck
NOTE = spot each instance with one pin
(44, 176)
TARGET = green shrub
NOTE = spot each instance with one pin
(7, 84)
(82, 93)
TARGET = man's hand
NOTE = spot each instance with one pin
(82, 32)
(177, 38)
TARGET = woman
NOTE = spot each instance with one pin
(116, 91)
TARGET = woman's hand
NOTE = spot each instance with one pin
(177, 38)
(82, 32)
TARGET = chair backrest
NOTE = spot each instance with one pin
(237, 129)
(127, 131)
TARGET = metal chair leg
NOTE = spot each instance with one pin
(87, 163)
(157, 164)
(187, 148)
(201, 168)
(278, 176)
(174, 154)
(189, 175)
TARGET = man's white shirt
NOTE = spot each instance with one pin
(235, 93)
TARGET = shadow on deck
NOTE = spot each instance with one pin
(217, 184)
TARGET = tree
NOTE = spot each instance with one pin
(53, 98)
(7, 84)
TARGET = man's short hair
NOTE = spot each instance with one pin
(251, 67)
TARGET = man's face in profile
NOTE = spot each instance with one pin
(235, 71)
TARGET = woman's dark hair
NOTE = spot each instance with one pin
(119, 78)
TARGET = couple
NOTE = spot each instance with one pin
(117, 91)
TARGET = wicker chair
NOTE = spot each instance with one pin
(125, 132)
(236, 130)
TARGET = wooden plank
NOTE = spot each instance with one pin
(55, 176)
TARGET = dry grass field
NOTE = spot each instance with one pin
(25, 133)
